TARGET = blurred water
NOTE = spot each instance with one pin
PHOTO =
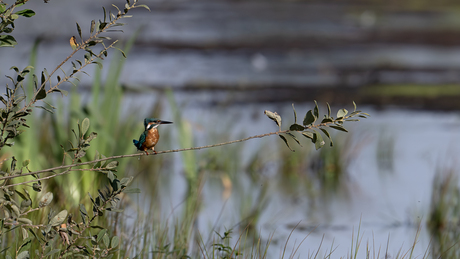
(387, 205)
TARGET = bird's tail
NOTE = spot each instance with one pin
(136, 143)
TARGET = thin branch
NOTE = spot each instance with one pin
(11, 8)
(70, 167)
(80, 47)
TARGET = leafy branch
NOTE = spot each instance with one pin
(12, 115)
(101, 163)
(7, 21)
(308, 127)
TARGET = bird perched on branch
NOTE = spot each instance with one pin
(149, 138)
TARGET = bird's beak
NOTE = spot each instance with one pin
(165, 122)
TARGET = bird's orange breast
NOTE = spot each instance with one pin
(151, 140)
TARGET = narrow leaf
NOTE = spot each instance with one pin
(26, 13)
(7, 41)
(339, 128)
(25, 221)
(93, 24)
(294, 138)
(79, 30)
(52, 252)
(327, 135)
(132, 190)
(326, 120)
(44, 108)
(295, 114)
(316, 110)
(308, 134)
(285, 141)
(144, 6)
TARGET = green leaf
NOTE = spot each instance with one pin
(52, 252)
(25, 163)
(354, 106)
(285, 141)
(79, 30)
(308, 134)
(100, 235)
(326, 120)
(93, 24)
(25, 221)
(296, 127)
(341, 113)
(132, 190)
(327, 135)
(91, 136)
(81, 153)
(15, 210)
(126, 181)
(339, 128)
(7, 41)
(25, 204)
(295, 114)
(46, 200)
(144, 6)
(83, 210)
(318, 140)
(26, 13)
(25, 236)
(59, 218)
(111, 176)
(13, 163)
(37, 187)
(42, 82)
(309, 118)
(115, 242)
(328, 110)
(41, 93)
(98, 63)
(316, 110)
(44, 108)
(23, 255)
(112, 165)
(294, 138)
(84, 126)
(106, 240)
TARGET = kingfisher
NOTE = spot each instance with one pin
(149, 138)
